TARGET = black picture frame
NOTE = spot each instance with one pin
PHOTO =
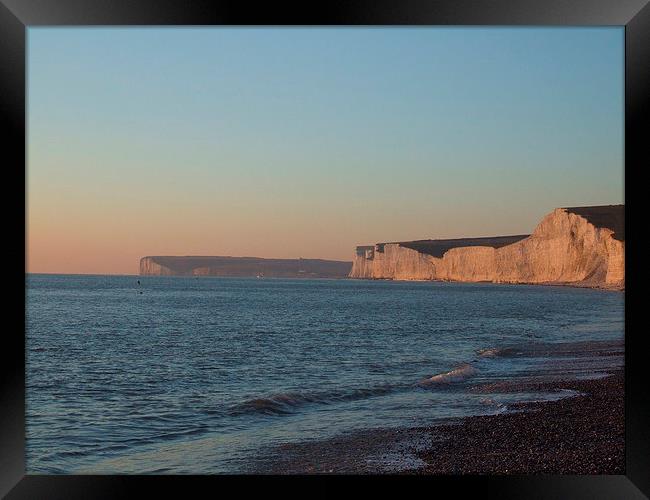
(17, 15)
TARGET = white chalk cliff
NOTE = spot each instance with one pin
(168, 265)
(582, 246)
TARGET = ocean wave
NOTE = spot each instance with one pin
(288, 402)
(278, 404)
(565, 349)
(459, 374)
(493, 352)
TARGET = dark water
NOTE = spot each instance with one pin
(199, 375)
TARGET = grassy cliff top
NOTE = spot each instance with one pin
(437, 248)
(607, 216)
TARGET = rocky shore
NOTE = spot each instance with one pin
(582, 434)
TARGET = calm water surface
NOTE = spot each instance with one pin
(186, 375)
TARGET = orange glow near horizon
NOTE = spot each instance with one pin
(288, 143)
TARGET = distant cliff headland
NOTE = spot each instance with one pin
(243, 266)
(580, 246)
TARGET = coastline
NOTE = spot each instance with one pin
(609, 288)
(570, 284)
(578, 245)
(581, 434)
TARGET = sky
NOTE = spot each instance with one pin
(293, 142)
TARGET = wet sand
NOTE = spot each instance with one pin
(575, 435)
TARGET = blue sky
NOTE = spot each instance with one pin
(305, 142)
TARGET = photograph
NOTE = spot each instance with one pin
(325, 250)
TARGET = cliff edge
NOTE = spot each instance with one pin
(242, 267)
(581, 246)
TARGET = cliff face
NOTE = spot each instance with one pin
(242, 266)
(149, 266)
(567, 247)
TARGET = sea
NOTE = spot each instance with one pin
(186, 375)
